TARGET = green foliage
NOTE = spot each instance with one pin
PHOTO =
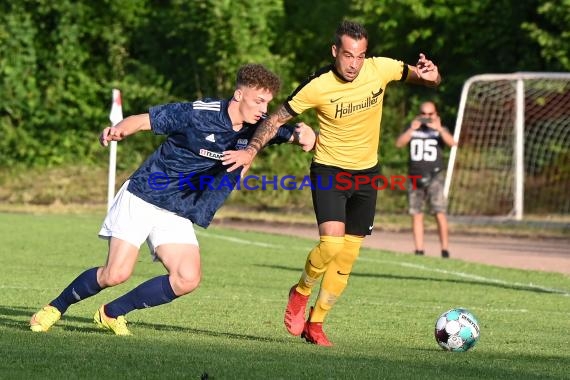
(463, 38)
(309, 44)
(550, 31)
(211, 40)
(60, 65)
(60, 60)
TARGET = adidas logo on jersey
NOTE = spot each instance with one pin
(211, 138)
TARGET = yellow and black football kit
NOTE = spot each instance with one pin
(343, 168)
(349, 115)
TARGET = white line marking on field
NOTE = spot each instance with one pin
(249, 242)
(238, 240)
(403, 264)
(470, 276)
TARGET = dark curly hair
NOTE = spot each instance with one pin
(352, 29)
(257, 76)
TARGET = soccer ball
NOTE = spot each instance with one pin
(457, 330)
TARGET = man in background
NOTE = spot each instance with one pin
(426, 137)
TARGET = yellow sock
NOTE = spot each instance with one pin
(336, 277)
(317, 261)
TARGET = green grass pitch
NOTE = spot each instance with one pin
(231, 327)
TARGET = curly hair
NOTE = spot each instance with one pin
(257, 76)
(352, 29)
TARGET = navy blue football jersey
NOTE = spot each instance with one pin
(185, 173)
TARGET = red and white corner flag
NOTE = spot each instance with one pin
(115, 116)
(116, 108)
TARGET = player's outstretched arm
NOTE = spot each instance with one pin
(265, 132)
(126, 127)
(425, 72)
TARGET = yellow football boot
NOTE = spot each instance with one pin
(117, 325)
(44, 319)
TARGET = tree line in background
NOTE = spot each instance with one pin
(59, 61)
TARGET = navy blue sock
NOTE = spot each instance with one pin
(84, 286)
(154, 292)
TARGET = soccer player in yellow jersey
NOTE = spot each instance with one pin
(348, 97)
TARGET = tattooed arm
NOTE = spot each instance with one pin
(265, 132)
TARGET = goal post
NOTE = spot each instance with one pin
(513, 152)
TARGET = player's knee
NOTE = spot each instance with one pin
(330, 247)
(346, 260)
(350, 253)
(112, 277)
(186, 281)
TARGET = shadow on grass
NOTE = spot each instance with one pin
(169, 357)
(512, 286)
(7, 312)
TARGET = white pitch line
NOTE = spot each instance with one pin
(238, 240)
(248, 242)
(409, 265)
(470, 276)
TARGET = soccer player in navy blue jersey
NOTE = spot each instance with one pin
(181, 184)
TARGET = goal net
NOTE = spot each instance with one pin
(513, 153)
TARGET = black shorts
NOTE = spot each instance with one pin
(347, 196)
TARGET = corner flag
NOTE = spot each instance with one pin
(115, 116)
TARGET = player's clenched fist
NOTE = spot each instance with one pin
(110, 134)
